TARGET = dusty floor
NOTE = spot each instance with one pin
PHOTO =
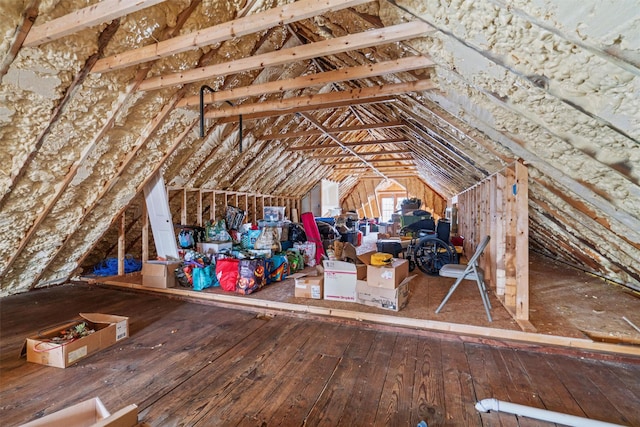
(564, 302)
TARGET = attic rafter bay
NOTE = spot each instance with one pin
(349, 144)
(342, 74)
(250, 24)
(367, 126)
(285, 56)
(323, 98)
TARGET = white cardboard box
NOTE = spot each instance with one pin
(388, 299)
(340, 279)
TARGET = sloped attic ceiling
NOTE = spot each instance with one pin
(445, 92)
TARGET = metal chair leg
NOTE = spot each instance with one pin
(451, 290)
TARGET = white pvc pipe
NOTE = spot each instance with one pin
(486, 405)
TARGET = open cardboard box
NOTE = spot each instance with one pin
(159, 274)
(90, 413)
(389, 299)
(109, 329)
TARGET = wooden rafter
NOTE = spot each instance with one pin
(295, 54)
(299, 134)
(328, 105)
(349, 73)
(373, 161)
(239, 27)
(318, 100)
(373, 153)
(349, 144)
(101, 12)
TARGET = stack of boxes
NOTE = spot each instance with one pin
(378, 286)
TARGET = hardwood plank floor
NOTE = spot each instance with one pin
(194, 364)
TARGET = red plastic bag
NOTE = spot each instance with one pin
(227, 273)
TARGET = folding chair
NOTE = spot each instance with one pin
(471, 271)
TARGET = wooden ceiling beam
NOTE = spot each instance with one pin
(342, 74)
(101, 12)
(322, 98)
(218, 33)
(350, 144)
(328, 105)
(385, 125)
(327, 47)
(376, 153)
(372, 161)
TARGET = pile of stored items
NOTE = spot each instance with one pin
(236, 256)
(243, 258)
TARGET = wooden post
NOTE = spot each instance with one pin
(510, 241)
(121, 240)
(199, 212)
(522, 241)
(183, 212)
(145, 233)
(499, 234)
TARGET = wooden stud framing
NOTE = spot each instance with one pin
(121, 243)
(498, 207)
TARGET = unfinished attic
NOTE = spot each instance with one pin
(126, 125)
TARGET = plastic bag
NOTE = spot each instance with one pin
(218, 232)
(268, 239)
(186, 238)
(227, 273)
(308, 250)
(204, 278)
(278, 268)
(296, 260)
(251, 276)
(296, 233)
(249, 239)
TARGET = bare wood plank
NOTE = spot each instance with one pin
(372, 161)
(318, 100)
(329, 105)
(384, 125)
(121, 243)
(510, 241)
(500, 235)
(284, 56)
(374, 153)
(145, 232)
(395, 400)
(522, 241)
(350, 73)
(219, 33)
(349, 144)
(459, 392)
(104, 11)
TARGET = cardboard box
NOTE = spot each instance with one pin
(389, 276)
(309, 287)
(90, 412)
(109, 329)
(214, 248)
(340, 279)
(388, 299)
(159, 274)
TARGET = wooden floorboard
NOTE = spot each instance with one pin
(194, 364)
